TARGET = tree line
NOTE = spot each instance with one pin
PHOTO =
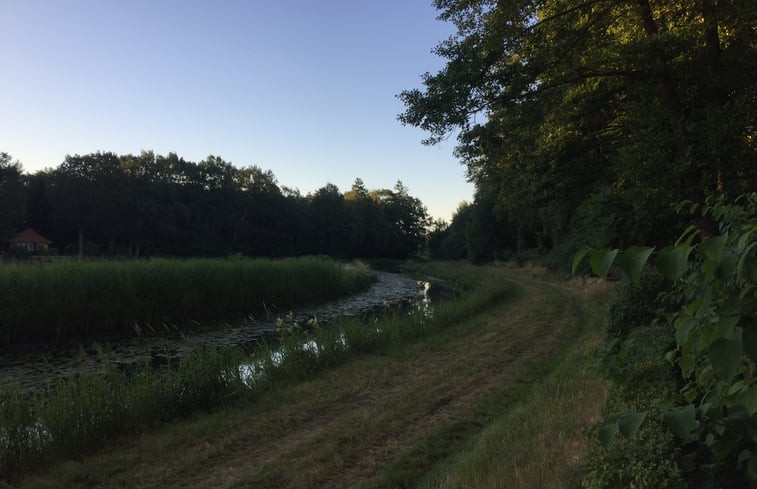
(583, 122)
(149, 204)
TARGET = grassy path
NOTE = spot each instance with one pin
(421, 414)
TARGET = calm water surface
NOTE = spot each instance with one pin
(391, 291)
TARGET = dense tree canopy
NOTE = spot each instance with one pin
(479, 231)
(11, 195)
(571, 109)
(148, 204)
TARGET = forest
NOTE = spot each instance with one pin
(582, 123)
(106, 205)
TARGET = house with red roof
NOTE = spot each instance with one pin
(30, 241)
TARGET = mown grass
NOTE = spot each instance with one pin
(537, 441)
(78, 415)
(63, 300)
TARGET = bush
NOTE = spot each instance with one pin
(561, 255)
(631, 306)
(712, 407)
(649, 461)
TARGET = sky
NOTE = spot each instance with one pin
(306, 89)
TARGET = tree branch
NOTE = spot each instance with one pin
(647, 20)
(562, 14)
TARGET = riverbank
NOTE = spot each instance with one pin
(66, 300)
(31, 370)
(402, 414)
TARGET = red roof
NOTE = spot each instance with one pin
(29, 235)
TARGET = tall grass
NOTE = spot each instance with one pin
(56, 301)
(79, 414)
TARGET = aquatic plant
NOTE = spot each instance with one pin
(58, 301)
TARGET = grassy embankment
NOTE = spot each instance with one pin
(64, 300)
(488, 393)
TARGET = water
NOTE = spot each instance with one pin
(391, 291)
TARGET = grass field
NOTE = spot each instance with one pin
(497, 397)
(63, 300)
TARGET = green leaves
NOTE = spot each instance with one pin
(672, 261)
(630, 422)
(602, 260)
(725, 356)
(749, 338)
(607, 433)
(743, 259)
(580, 255)
(633, 260)
(715, 294)
(682, 421)
(747, 398)
(683, 328)
(713, 247)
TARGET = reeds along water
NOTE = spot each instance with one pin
(66, 299)
(79, 414)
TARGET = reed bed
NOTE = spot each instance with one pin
(78, 415)
(63, 300)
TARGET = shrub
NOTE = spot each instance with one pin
(648, 461)
(713, 306)
(631, 306)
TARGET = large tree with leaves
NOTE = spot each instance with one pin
(648, 101)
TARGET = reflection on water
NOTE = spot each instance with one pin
(253, 371)
(391, 292)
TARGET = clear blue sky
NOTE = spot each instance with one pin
(304, 88)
